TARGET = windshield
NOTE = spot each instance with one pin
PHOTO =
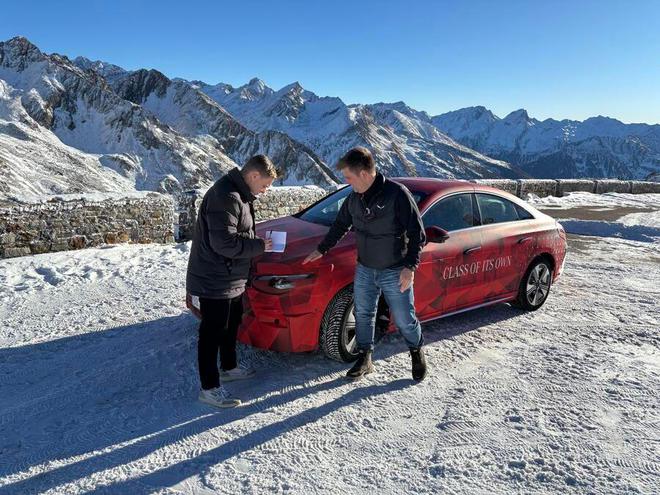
(325, 211)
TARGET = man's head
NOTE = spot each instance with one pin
(358, 168)
(259, 174)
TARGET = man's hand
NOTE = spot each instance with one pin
(193, 309)
(406, 279)
(268, 244)
(312, 257)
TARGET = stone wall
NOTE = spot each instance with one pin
(565, 186)
(509, 185)
(561, 187)
(617, 186)
(277, 202)
(540, 187)
(642, 187)
(61, 223)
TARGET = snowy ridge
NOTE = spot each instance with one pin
(404, 141)
(193, 114)
(80, 108)
(110, 72)
(597, 147)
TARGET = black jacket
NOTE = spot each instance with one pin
(387, 223)
(224, 240)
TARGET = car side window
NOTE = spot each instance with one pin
(452, 213)
(496, 210)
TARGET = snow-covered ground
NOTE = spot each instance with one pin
(98, 389)
(635, 217)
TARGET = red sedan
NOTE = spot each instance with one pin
(484, 246)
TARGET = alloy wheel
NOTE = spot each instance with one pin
(538, 284)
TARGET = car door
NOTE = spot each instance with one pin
(507, 241)
(446, 278)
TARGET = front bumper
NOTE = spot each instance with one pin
(266, 328)
(279, 323)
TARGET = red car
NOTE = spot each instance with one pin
(484, 246)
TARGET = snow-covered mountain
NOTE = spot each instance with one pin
(83, 112)
(82, 125)
(596, 147)
(404, 141)
(193, 114)
(65, 127)
(33, 160)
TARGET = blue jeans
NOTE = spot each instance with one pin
(367, 288)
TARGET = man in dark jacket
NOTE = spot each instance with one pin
(390, 236)
(223, 246)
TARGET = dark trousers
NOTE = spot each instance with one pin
(220, 321)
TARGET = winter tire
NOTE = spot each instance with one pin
(534, 286)
(337, 338)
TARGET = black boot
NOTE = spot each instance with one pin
(418, 363)
(362, 366)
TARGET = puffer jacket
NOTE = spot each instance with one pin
(224, 241)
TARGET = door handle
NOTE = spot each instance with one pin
(524, 239)
(472, 249)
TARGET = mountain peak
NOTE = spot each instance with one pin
(139, 84)
(253, 90)
(257, 83)
(400, 105)
(81, 61)
(294, 87)
(21, 41)
(19, 52)
(107, 70)
(481, 110)
(473, 113)
(518, 115)
(602, 118)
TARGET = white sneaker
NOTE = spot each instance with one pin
(237, 373)
(218, 397)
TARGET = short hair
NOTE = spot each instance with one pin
(357, 159)
(261, 164)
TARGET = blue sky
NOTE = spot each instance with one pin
(555, 58)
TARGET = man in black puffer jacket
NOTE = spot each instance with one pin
(223, 246)
(390, 236)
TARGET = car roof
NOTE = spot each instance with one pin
(430, 185)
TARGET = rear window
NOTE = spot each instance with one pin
(523, 214)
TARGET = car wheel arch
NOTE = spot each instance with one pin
(543, 256)
(520, 301)
(329, 338)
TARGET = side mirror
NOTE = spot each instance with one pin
(436, 234)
